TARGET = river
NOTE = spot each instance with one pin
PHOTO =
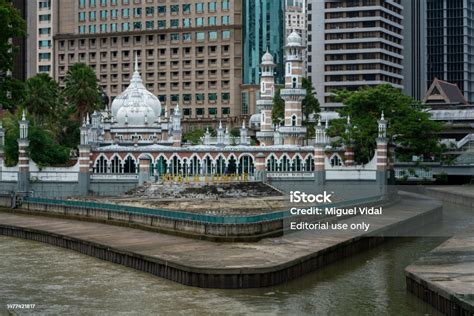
(60, 281)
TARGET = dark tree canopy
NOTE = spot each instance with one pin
(82, 89)
(409, 127)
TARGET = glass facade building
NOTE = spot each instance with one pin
(450, 34)
(263, 26)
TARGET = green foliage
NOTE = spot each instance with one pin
(194, 136)
(12, 25)
(43, 99)
(310, 103)
(43, 149)
(235, 132)
(11, 92)
(278, 109)
(82, 89)
(409, 127)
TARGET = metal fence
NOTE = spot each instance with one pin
(182, 215)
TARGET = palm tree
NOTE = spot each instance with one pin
(82, 89)
(42, 99)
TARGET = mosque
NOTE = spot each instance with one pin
(135, 140)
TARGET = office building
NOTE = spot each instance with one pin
(189, 52)
(353, 44)
(263, 27)
(451, 44)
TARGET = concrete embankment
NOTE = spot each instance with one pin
(460, 195)
(445, 277)
(220, 265)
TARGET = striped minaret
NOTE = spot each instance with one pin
(265, 103)
(84, 160)
(319, 155)
(23, 159)
(382, 151)
(293, 131)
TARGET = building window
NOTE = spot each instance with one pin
(225, 35)
(187, 112)
(187, 37)
(212, 35)
(92, 16)
(137, 12)
(92, 29)
(225, 4)
(113, 13)
(212, 20)
(174, 8)
(149, 25)
(200, 111)
(161, 24)
(161, 9)
(212, 96)
(199, 21)
(82, 3)
(82, 29)
(45, 17)
(200, 97)
(92, 3)
(82, 16)
(200, 36)
(174, 23)
(226, 111)
(113, 27)
(125, 13)
(186, 8)
(150, 11)
(200, 7)
(225, 96)
(293, 120)
(125, 26)
(245, 103)
(212, 111)
(187, 22)
(225, 20)
(174, 37)
(212, 6)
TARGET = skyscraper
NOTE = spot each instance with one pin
(263, 27)
(450, 34)
(354, 43)
(189, 52)
(415, 52)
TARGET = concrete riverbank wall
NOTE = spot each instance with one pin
(252, 231)
(460, 195)
(444, 277)
(217, 265)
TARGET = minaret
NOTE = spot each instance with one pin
(349, 152)
(23, 159)
(382, 154)
(293, 132)
(243, 134)
(176, 126)
(84, 160)
(319, 155)
(265, 103)
(220, 134)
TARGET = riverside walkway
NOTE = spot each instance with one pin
(445, 277)
(220, 265)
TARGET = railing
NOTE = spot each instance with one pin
(212, 219)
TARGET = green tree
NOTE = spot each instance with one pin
(43, 149)
(310, 105)
(42, 100)
(82, 89)
(409, 127)
(12, 25)
(278, 109)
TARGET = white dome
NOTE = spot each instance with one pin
(136, 104)
(294, 39)
(267, 58)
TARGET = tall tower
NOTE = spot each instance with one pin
(293, 132)
(265, 103)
